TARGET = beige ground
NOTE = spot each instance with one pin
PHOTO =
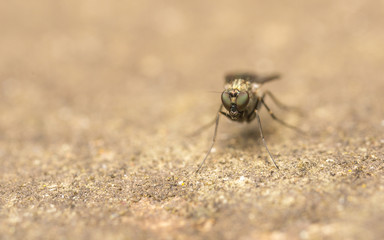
(97, 102)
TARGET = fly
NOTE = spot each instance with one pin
(242, 102)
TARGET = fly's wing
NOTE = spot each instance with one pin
(253, 78)
(267, 78)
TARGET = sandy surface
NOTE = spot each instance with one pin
(97, 103)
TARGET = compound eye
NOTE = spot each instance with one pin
(242, 100)
(225, 98)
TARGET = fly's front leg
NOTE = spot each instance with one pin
(251, 117)
(213, 140)
(198, 131)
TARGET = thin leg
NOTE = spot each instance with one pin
(279, 120)
(213, 141)
(262, 138)
(227, 115)
(279, 103)
(198, 131)
(202, 128)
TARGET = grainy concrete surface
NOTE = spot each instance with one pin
(97, 102)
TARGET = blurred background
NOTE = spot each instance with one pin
(68, 66)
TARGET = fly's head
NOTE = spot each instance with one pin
(235, 101)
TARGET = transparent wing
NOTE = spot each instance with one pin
(251, 77)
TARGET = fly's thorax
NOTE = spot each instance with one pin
(239, 84)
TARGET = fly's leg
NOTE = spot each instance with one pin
(277, 119)
(280, 104)
(262, 138)
(204, 127)
(213, 140)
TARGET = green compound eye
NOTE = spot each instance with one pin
(226, 100)
(242, 100)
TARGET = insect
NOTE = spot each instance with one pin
(242, 101)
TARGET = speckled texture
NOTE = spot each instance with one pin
(98, 102)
